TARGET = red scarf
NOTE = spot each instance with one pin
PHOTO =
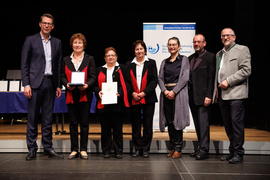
(102, 79)
(69, 98)
(136, 88)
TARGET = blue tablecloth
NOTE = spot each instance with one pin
(16, 102)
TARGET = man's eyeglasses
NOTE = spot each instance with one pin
(228, 35)
(44, 24)
(199, 42)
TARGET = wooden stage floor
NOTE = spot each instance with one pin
(217, 133)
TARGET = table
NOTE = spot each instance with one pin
(16, 102)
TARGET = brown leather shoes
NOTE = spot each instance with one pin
(170, 154)
(176, 155)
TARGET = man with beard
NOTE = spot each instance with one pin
(231, 89)
(201, 83)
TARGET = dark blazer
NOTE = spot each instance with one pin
(33, 61)
(120, 106)
(202, 76)
(152, 79)
(88, 61)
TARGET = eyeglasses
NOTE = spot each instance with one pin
(228, 35)
(173, 45)
(44, 24)
(110, 55)
(199, 42)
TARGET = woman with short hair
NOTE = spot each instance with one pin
(111, 115)
(78, 98)
(143, 78)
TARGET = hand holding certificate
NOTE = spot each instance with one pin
(109, 93)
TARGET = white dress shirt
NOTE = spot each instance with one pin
(79, 63)
(221, 64)
(48, 55)
(139, 70)
(109, 76)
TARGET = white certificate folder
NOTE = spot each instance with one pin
(77, 78)
(109, 93)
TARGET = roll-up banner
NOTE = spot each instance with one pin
(156, 36)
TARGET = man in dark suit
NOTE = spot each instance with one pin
(202, 68)
(41, 67)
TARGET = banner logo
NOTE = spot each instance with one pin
(153, 49)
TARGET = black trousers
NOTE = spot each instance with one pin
(176, 136)
(42, 97)
(200, 115)
(233, 112)
(111, 122)
(142, 114)
(79, 113)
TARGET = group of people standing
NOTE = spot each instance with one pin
(184, 81)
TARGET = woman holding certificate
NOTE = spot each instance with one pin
(112, 97)
(78, 92)
(174, 105)
(143, 78)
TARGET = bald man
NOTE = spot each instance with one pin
(231, 90)
(202, 68)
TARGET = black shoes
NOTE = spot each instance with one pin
(199, 155)
(236, 159)
(226, 158)
(31, 156)
(193, 154)
(202, 156)
(232, 158)
(144, 154)
(117, 156)
(136, 154)
(53, 154)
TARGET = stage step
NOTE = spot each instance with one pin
(13, 139)
(157, 146)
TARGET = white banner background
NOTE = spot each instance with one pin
(156, 36)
